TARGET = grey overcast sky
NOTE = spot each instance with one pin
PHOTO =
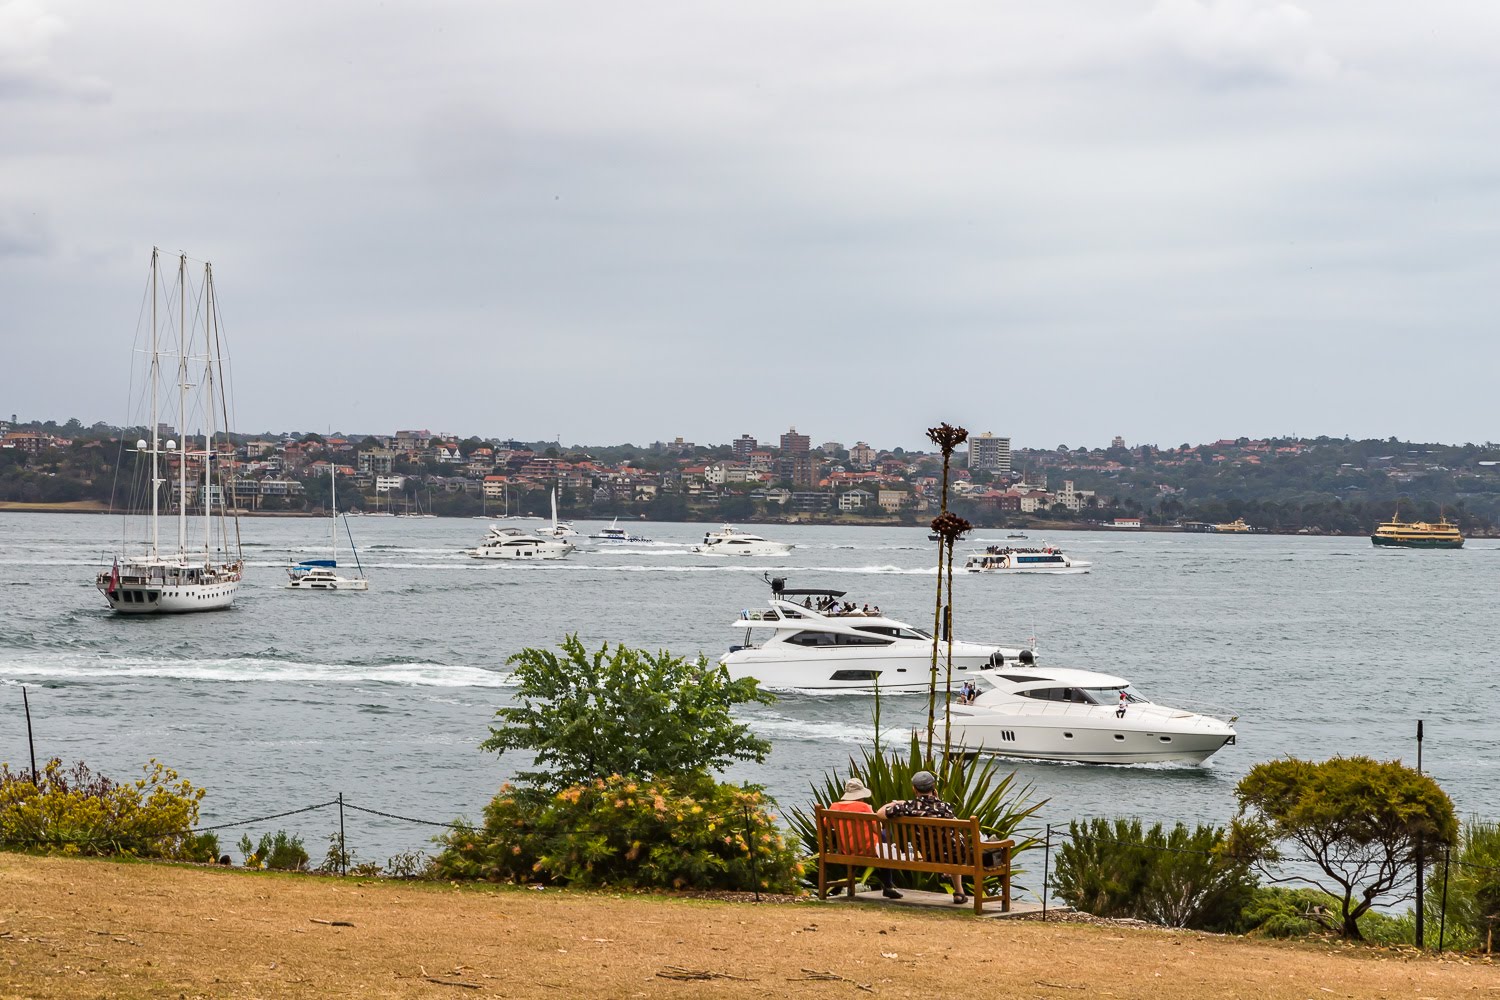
(1174, 221)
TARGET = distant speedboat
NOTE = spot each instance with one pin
(1396, 533)
(820, 642)
(615, 533)
(1063, 714)
(730, 541)
(1013, 559)
(513, 543)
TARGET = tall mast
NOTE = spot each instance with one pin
(156, 480)
(333, 502)
(182, 384)
(208, 404)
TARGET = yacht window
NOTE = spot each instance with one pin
(1021, 678)
(835, 639)
(1111, 695)
(855, 675)
(899, 633)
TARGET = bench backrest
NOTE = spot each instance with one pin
(934, 840)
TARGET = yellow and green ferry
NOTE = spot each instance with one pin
(1418, 534)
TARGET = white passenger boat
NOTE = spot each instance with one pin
(323, 574)
(615, 533)
(820, 642)
(1063, 714)
(1014, 559)
(513, 543)
(202, 571)
(730, 541)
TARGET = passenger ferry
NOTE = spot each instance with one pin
(1010, 559)
(1235, 527)
(1418, 534)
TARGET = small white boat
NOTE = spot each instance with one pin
(558, 529)
(730, 541)
(1017, 559)
(513, 543)
(323, 574)
(820, 642)
(1063, 714)
(615, 533)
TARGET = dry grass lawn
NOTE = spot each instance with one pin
(85, 928)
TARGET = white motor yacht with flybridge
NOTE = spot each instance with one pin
(821, 642)
(1058, 713)
(513, 543)
(730, 541)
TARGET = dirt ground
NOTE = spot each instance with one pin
(85, 928)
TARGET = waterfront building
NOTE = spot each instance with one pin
(988, 453)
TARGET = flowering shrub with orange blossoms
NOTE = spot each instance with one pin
(686, 832)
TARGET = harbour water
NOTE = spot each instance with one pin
(1322, 646)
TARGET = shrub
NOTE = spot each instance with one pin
(972, 787)
(1356, 820)
(1177, 877)
(684, 832)
(1473, 887)
(279, 852)
(626, 711)
(76, 811)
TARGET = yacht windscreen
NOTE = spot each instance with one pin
(899, 633)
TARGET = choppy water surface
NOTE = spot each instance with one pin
(1321, 645)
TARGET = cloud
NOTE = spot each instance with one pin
(1244, 41)
(27, 34)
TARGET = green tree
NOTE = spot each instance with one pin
(622, 711)
(1355, 819)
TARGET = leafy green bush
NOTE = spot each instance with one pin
(78, 812)
(1356, 820)
(684, 832)
(1177, 877)
(1473, 887)
(628, 712)
(279, 852)
(972, 787)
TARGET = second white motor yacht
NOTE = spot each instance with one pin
(730, 541)
(615, 533)
(820, 642)
(513, 543)
(1014, 559)
(1063, 714)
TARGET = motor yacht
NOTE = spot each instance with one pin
(1017, 559)
(820, 642)
(513, 543)
(730, 541)
(615, 533)
(1063, 714)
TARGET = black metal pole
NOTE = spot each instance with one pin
(1046, 871)
(1421, 867)
(750, 840)
(35, 780)
(343, 844)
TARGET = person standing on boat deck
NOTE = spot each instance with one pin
(926, 804)
(1120, 712)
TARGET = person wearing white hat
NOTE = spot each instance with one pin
(861, 836)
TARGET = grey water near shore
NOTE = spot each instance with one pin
(1322, 646)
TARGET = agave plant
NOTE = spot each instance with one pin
(974, 786)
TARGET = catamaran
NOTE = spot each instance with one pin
(323, 574)
(156, 577)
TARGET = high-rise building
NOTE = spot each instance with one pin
(862, 454)
(988, 453)
(744, 445)
(1118, 442)
(793, 443)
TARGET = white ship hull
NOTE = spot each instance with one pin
(520, 553)
(169, 599)
(761, 548)
(1150, 734)
(330, 582)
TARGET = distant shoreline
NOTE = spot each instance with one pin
(95, 507)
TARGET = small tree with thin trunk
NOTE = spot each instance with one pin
(947, 438)
(1357, 820)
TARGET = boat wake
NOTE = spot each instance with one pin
(254, 670)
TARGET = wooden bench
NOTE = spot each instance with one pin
(913, 844)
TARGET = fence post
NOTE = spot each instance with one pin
(750, 842)
(343, 844)
(1046, 871)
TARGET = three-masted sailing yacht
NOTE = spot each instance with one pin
(195, 574)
